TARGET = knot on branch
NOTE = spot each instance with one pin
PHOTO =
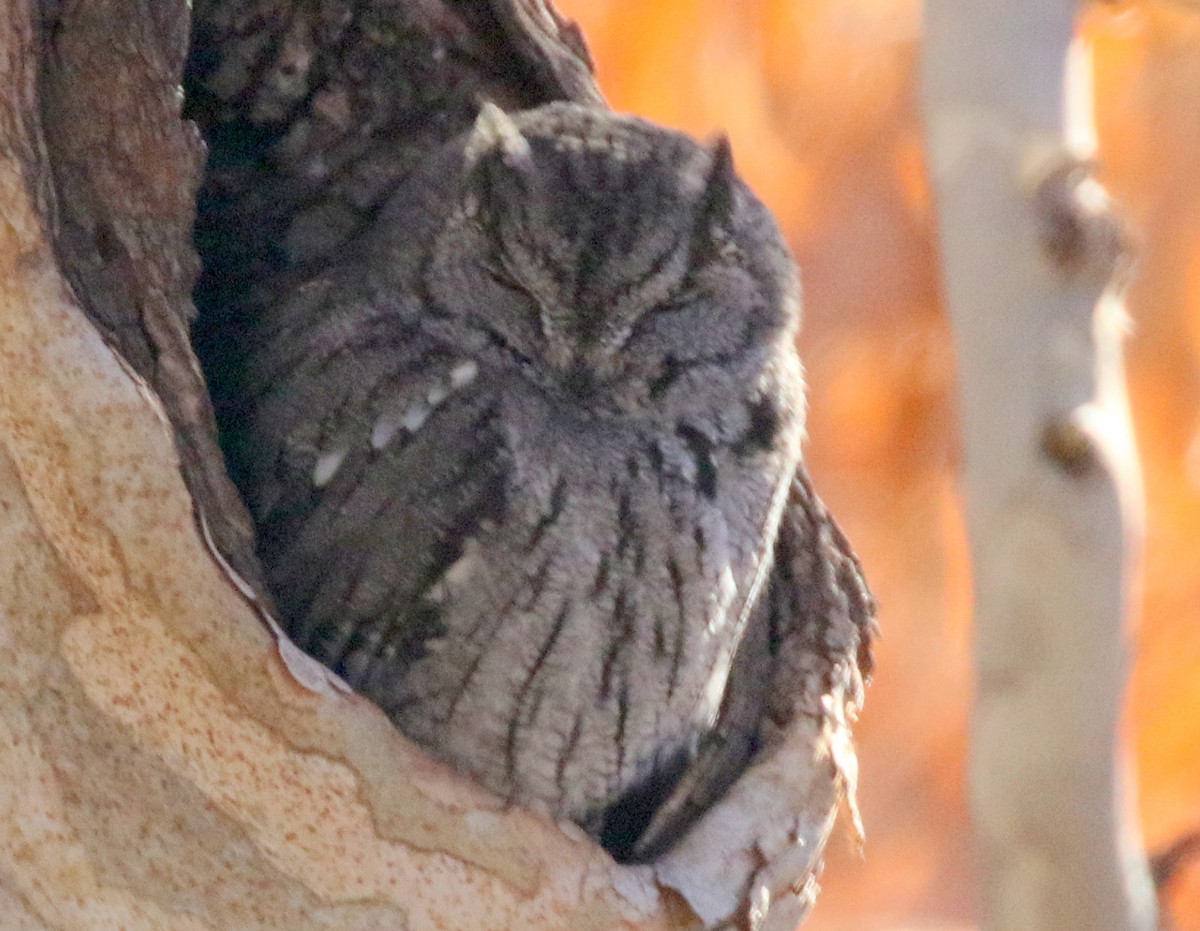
(1071, 448)
(1080, 229)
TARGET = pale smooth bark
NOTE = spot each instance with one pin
(1052, 487)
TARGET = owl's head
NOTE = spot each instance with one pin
(603, 250)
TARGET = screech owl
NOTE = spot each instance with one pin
(521, 466)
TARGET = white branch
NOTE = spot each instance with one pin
(1052, 487)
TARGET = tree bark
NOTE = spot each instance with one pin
(167, 758)
(1052, 485)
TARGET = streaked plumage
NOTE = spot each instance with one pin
(520, 466)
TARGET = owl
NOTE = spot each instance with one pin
(525, 466)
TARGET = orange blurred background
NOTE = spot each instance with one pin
(820, 100)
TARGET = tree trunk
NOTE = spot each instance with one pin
(1052, 486)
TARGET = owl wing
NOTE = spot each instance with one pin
(810, 637)
(369, 461)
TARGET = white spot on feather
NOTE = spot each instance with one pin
(437, 394)
(413, 417)
(385, 428)
(327, 465)
(463, 374)
(418, 412)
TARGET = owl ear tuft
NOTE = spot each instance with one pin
(720, 189)
(495, 138)
(500, 160)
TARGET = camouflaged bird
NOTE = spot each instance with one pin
(526, 468)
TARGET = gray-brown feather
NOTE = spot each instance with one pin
(519, 465)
